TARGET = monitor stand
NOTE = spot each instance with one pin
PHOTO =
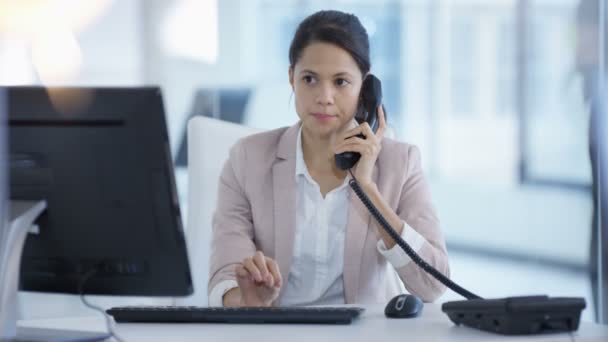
(12, 239)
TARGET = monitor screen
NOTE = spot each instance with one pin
(100, 157)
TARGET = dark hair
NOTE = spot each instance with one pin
(341, 29)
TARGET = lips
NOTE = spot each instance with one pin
(323, 116)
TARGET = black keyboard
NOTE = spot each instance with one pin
(193, 314)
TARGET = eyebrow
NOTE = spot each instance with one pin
(343, 73)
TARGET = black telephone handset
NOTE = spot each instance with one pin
(370, 97)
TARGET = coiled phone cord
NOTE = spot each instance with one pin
(406, 248)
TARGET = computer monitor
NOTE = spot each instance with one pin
(104, 167)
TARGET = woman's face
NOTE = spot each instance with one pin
(326, 81)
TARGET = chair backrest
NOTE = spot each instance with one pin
(209, 143)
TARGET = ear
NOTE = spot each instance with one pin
(291, 78)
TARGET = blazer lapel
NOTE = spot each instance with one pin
(357, 229)
(284, 192)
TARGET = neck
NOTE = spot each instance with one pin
(318, 154)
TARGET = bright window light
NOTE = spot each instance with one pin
(190, 30)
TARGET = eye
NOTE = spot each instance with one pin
(308, 79)
(341, 82)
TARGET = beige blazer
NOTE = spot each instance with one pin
(256, 210)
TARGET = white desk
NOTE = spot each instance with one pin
(372, 326)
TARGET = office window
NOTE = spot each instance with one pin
(464, 61)
(555, 107)
(505, 64)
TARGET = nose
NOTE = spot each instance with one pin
(325, 96)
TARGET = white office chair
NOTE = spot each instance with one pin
(209, 142)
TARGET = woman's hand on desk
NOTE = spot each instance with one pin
(259, 282)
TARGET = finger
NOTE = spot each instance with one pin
(371, 137)
(367, 131)
(269, 280)
(253, 269)
(241, 272)
(381, 123)
(344, 145)
(276, 273)
(360, 148)
(349, 133)
(260, 262)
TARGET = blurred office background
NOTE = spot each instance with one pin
(488, 89)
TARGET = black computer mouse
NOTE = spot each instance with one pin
(403, 306)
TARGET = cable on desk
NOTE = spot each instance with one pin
(88, 304)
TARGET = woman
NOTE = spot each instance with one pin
(287, 229)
